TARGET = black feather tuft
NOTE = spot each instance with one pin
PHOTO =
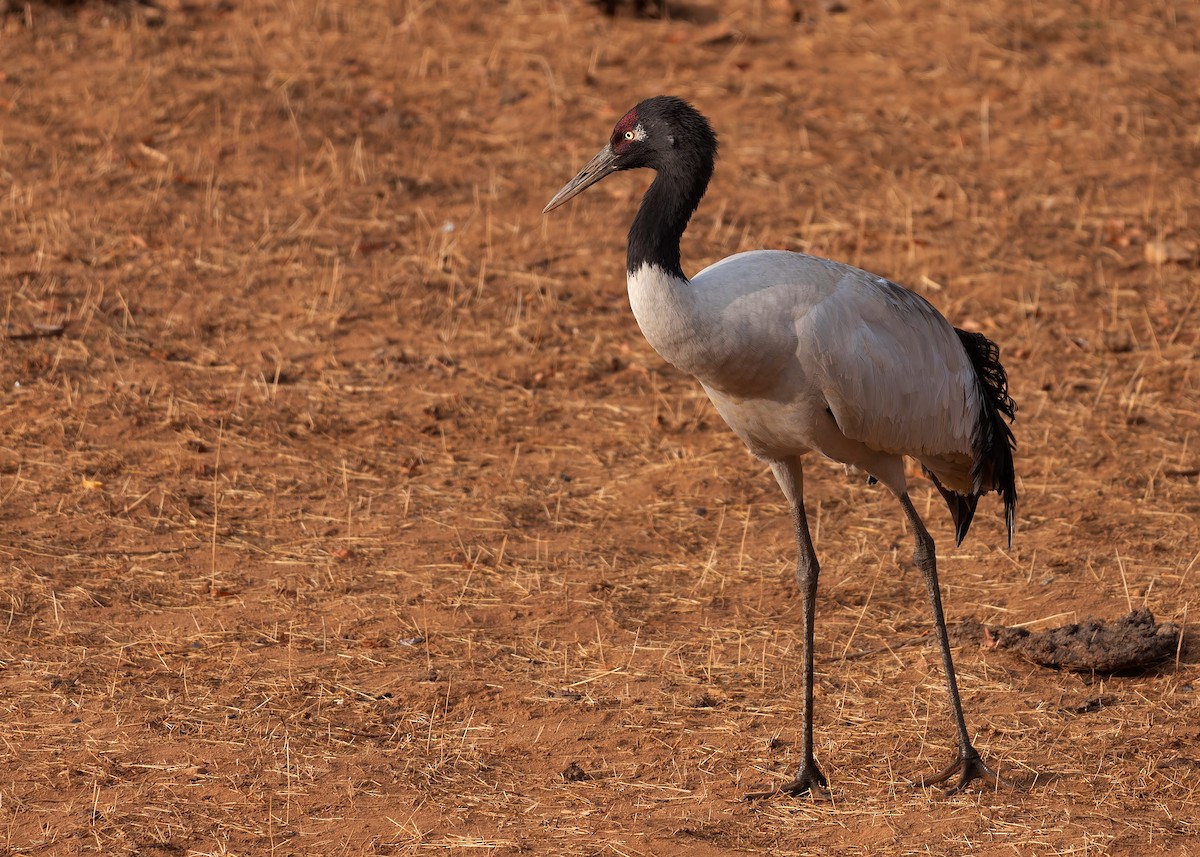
(962, 506)
(994, 442)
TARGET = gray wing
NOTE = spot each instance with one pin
(891, 368)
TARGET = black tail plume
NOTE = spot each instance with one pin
(994, 443)
(962, 507)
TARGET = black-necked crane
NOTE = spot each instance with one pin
(801, 354)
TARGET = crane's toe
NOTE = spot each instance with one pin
(808, 779)
(969, 767)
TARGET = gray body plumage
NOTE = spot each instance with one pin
(799, 354)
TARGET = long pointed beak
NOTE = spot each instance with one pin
(604, 164)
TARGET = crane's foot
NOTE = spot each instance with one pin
(969, 767)
(808, 779)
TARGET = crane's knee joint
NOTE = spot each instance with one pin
(924, 552)
(806, 575)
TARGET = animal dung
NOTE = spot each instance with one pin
(1130, 644)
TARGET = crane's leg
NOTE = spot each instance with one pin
(968, 765)
(809, 778)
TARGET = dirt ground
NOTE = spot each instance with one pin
(344, 510)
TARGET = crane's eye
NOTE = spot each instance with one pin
(629, 135)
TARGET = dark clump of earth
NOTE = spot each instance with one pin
(1129, 644)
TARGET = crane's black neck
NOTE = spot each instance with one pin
(663, 216)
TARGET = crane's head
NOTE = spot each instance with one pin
(663, 133)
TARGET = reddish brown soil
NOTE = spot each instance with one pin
(343, 509)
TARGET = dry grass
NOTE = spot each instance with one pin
(344, 507)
